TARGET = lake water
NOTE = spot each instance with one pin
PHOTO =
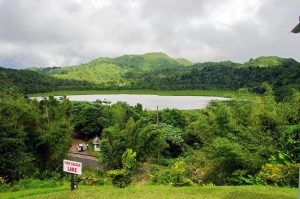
(150, 102)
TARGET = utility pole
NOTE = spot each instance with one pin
(299, 185)
(157, 118)
(296, 29)
(157, 121)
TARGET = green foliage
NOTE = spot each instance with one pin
(27, 81)
(114, 72)
(228, 157)
(91, 180)
(17, 117)
(35, 183)
(280, 174)
(34, 136)
(263, 61)
(291, 142)
(160, 175)
(89, 119)
(120, 178)
(129, 160)
(173, 117)
(178, 173)
(2, 181)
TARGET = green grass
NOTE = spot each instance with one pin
(220, 93)
(161, 192)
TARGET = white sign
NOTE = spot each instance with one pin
(73, 167)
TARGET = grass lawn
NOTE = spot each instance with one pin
(160, 192)
(219, 93)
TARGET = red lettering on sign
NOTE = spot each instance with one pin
(72, 169)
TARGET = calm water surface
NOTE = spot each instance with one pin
(150, 102)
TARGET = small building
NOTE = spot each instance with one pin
(96, 142)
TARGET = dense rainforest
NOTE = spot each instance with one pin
(160, 72)
(252, 140)
(27, 81)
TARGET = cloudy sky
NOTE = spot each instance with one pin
(59, 33)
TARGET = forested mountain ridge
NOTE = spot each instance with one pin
(160, 72)
(30, 81)
(112, 72)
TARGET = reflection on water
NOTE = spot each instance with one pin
(150, 102)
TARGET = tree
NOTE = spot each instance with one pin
(291, 142)
(122, 177)
(90, 118)
(17, 121)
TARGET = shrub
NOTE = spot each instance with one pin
(91, 180)
(240, 177)
(48, 175)
(160, 176)
(280, 174)
(2, 180)
(120, 178)
(129, 160)
(178, 175)
(5, 187)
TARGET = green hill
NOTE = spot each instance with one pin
(265, 61)
(32, 82)
(113, 72)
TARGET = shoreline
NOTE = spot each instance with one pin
(209, 93)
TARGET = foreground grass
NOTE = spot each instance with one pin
(219, 93)
(161, 192)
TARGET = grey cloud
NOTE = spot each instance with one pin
(54, 32)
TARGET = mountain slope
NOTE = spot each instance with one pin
(112, 72)
(32, 82)
(265, 61)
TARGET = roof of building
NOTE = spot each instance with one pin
(96, 140)
(296, 29)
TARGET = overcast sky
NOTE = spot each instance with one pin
(67, 32)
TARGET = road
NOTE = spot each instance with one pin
(85, 156)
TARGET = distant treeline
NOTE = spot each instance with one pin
(222, 75)
(33, 82)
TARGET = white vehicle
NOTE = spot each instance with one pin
(80, 147)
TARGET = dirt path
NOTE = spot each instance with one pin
(73, 149)
(83, 156)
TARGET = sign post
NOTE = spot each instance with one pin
(73, 168)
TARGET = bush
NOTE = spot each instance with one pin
(240, 177)
(280, 174)
(5, 187)
(91, 180)
(2, 181)
(48, 175)
(178, 175)
(129, 160)
(160, 176)
(120, 177)
(33, 183)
